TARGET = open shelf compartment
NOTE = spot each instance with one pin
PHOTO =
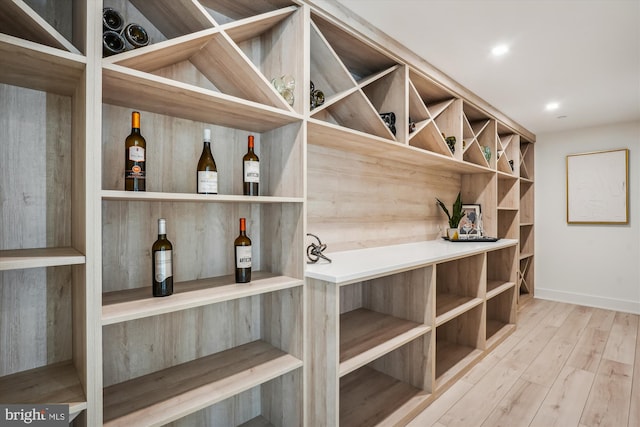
(163, 19)
(239, 63)
(459, 344)
(43, 176)
(459, 286)
(57, 383)
(382, 314)
(273, 43)
(501, 271)
(177, 146)
(359, 57)
(501, 316)
(19, 19)
(388, 391)
(260, 343)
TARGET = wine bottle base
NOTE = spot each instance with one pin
(160, 290)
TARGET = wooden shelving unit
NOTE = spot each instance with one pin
(45, 261)
(199, 75)
(526, 234)
(74, 247)
(430, 312)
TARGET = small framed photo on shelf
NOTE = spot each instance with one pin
(471, 223)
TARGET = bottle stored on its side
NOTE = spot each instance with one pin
(112, 20)
(112, 43)
(207, 174)
(162, 254)
(242, 254)
(136, 35)
(250, 171)
(135, 155)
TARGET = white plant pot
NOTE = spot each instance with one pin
(452, 233)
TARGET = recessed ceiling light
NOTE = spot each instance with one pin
(500, 50)
(552, 106)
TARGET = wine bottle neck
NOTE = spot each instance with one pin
(135, 120)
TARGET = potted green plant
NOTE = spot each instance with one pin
(455, 216)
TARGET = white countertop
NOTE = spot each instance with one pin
(362, 264)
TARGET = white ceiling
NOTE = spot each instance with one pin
(583, 54)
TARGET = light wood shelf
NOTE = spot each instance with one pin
(449, 306)
(371, 398)
(366, 335)
(194, 385)
(30, 65)
(126, 87)
(496, 287)
(39, 257)
(334, 136)
(153, 196)
(524, 255)
(56, 383)
(126, 305)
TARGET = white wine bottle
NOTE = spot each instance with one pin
(162, 254)
(242, 254)
(250, 171)
(207, 173)
(135, 153)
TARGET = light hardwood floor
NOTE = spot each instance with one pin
(565, 366)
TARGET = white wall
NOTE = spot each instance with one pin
(594, 265)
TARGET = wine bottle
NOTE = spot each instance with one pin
(111, 20)
(250, 171)
(242, 249)
(135, 157)
(207, 171)
(112, 43)
(162, 254)
(136, 35)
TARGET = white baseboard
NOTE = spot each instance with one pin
(588, 300)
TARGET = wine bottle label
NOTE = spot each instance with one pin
(251, 171)
(243, 256)
(207, 182)
(135, 172)
(164, 265)
(136, 154)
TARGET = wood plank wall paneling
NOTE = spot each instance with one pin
(39, 216)
(355, 201)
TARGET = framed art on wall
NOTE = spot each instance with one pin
(470, 224)
(597, 187)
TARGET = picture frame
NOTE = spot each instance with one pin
(470, 224)
(597, 187)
